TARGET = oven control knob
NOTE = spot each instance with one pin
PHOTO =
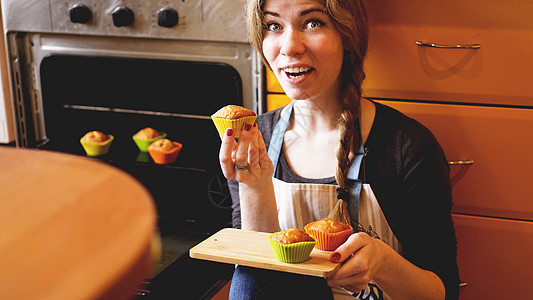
(80, 13)
(122, 16)
(167, 17)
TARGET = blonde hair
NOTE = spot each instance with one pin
(350, 19)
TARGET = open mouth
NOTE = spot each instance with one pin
(297, 71)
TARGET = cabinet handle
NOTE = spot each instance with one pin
(461, 162)
(463, 284)
(432, 45)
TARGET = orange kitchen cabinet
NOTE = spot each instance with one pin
(494, 257)
(272, 83)
(275, 96)
(276, 101)
(500, 143)
(500, 71)
(478, 103)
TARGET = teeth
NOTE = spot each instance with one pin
(296, 70)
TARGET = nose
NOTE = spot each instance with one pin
(293, 43)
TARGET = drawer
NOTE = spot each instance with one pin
(276, 101)
(499, 72)
(494, 257)
(498, 140)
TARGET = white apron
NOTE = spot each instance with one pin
(302, 203)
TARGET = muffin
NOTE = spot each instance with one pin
(147, 133)
(232, 116)
(329, 233)
(164, 151)
(292, 235)
(95, 136)
(96, 143)
(144, 137)
(292, 245)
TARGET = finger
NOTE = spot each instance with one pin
(354, 270)
(264, 161)
(241, 156)
(357, 262)
(253, 148)
(225, 155)
(355, 242)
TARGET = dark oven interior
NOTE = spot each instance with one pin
(120, 96)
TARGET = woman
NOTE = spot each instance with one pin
(286, 169)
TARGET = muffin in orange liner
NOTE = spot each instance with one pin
(96, 143)
(291, 245)
(232, 116)
(164, 151)
(328, 233)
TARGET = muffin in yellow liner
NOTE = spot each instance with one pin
(96, 143)
(328, 238)
(232, 116)
(293, 252)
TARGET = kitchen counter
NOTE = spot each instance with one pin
(71, 227)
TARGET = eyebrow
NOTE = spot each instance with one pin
(302, 13)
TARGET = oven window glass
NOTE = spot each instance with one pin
(120, 96)
(181, 87)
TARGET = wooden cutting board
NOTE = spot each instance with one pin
(250, 248)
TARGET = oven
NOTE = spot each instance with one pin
(118, 66)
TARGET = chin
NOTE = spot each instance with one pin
(296, 95)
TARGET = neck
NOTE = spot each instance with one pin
(316, 116)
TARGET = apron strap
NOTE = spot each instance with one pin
(355, 167)
(353, 181)
(276, 141)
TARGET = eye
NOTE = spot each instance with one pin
(272, 27)
(313, 24)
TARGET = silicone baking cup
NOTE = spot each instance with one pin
(97, 148)
(328, 241)
(222, 124)
(143, 144)
(291, 253)
(166, 157)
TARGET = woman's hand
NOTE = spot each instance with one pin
(246, 160)
(365, 258)
(362, 258)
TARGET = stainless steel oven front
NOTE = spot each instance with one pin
(121, 65)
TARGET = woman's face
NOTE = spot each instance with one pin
(303, 47)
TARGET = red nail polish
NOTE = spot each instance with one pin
(229, 132)
(335, 257)
(247, 127)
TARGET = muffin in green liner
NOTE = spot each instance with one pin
(291, 253)
(143, 144)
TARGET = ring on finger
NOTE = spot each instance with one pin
(241, 168)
